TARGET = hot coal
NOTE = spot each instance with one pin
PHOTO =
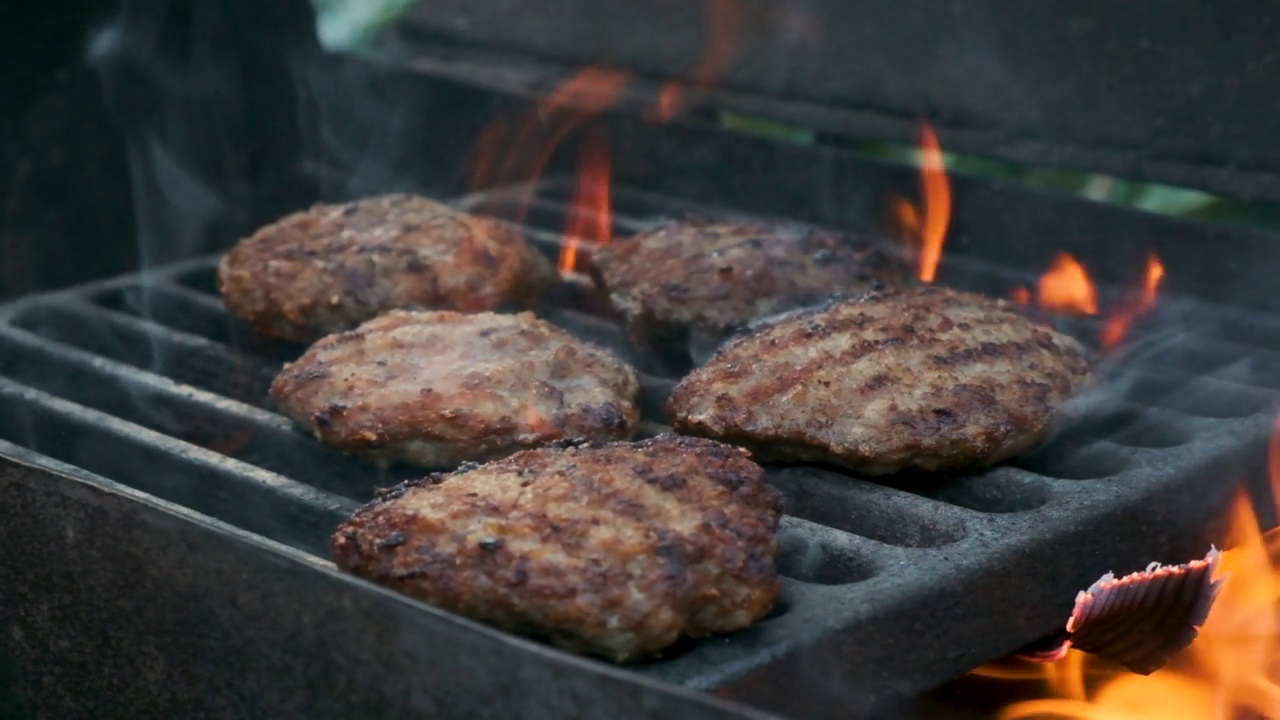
(1047, 650)
(1139, 620)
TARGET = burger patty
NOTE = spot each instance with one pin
(921, 379)
(610, 549)
(716, 277)
(334, 266)
(437, 388)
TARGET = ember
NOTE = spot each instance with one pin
(1229, 671)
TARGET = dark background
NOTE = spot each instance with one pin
(65, 212)
(1181, 92)
(236, 93)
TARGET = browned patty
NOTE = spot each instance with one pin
(718, 276)
(437, 388)
(923, 379)
(334, 266)
(609, 549)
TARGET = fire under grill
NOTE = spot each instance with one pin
(890, 587)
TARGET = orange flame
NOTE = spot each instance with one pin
(511, 151)
(1116, 327)
(724, 20)
(924, 229)
(590, 92)
(590, 215)
(1066, 288)
(1229, 671)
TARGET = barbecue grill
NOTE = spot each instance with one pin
(165, 532)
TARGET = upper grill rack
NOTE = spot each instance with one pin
(147, 381)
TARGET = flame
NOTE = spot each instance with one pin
(724, 21)
(1065, 287)
(1116, 327)
(590, 216)
(590, 92)
(924, 229)
(1230, 671)
(510, 151)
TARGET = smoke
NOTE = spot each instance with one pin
(203, 96)
(240, 102)
(800, 555)
(187, 86)
(232, 117)
(372, 129)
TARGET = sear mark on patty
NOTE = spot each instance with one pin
(332, 267)
(437, 388)
(922, 379)
(588, 545)
(714, 277)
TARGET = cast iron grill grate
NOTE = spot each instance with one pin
(147, 381)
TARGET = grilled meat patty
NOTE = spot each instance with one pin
(717, 276)
(437, 388)
(609, 549)
(334, 266)
(921, 379)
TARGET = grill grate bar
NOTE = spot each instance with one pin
(243, 495)
(226, 427)
(283, 486)
(125, 375)
(859, 507)
(152, 347)
(138, 356)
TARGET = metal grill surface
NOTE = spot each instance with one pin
(147, 381)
